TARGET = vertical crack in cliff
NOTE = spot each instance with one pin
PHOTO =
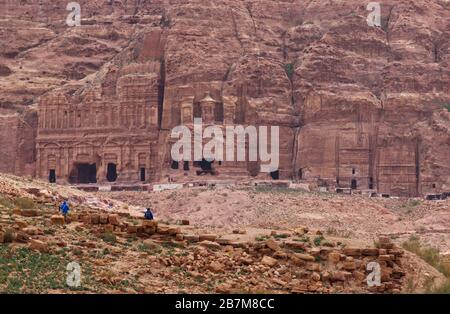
(295, 152)
(235, 28)
(250, 13)
(385, 26)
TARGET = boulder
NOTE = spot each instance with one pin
(352, 251)
(132, 229)
(301, 231)
(207, 237)
(95, 219)
(103, 219)
(38, 245)
(57, 220)
(216, 267)
(370, 252)
(269, 261)
(315, 276)
(114, 220)
(191, 237)
(149, 223)
(210, 244)
(271, 244)
(162, 229)
(304, 257)
(150, 244)
(29, 212)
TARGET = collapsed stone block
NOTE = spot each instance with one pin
(29, 212)
(38, 245)
(191, 237)
(95, 219)
(162, 229)
(269, 261)
(271, 244)
(58, 220)
(103, 219)
(207, 237)
(114, 220)
(210, 244)
(352, 251)
(305, 257)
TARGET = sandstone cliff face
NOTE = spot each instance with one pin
(357, 105)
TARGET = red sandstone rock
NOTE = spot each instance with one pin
(358, 106)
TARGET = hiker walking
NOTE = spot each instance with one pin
(64, 208)
(148, 214)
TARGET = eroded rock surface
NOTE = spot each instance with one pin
(358, 106)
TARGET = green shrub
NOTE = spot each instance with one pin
(318, 240)
(444, 289)
(24, 203)
(447, 106)
(428, 254)
(6, 202)
(9, 236)
(109, 237)
(289, 68)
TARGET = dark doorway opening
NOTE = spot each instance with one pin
(142, 174)
(353, 171)
(354, 184)
(371, 183)
(111, 174)
(52, 176)
(300, 174)
(174, 165)
(186, 166)
(87, 173)
(275, 175)
(206, 165)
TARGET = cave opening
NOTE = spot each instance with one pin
(174, 165)
(52, 176)
(111, 174)
(275, 175)
(143, 178)
(354, 184)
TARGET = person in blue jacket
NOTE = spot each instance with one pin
(148, 214)
(64, 208)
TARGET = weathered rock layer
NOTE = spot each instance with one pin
(358, 106)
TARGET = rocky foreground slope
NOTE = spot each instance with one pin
(345, 94)
(119, 252)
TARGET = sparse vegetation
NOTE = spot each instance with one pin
(23, 270)
(289, 68)
(428, 254)
(447, 106)
(24, 203)
(318, 240)
(261, 238)
(109, 237)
